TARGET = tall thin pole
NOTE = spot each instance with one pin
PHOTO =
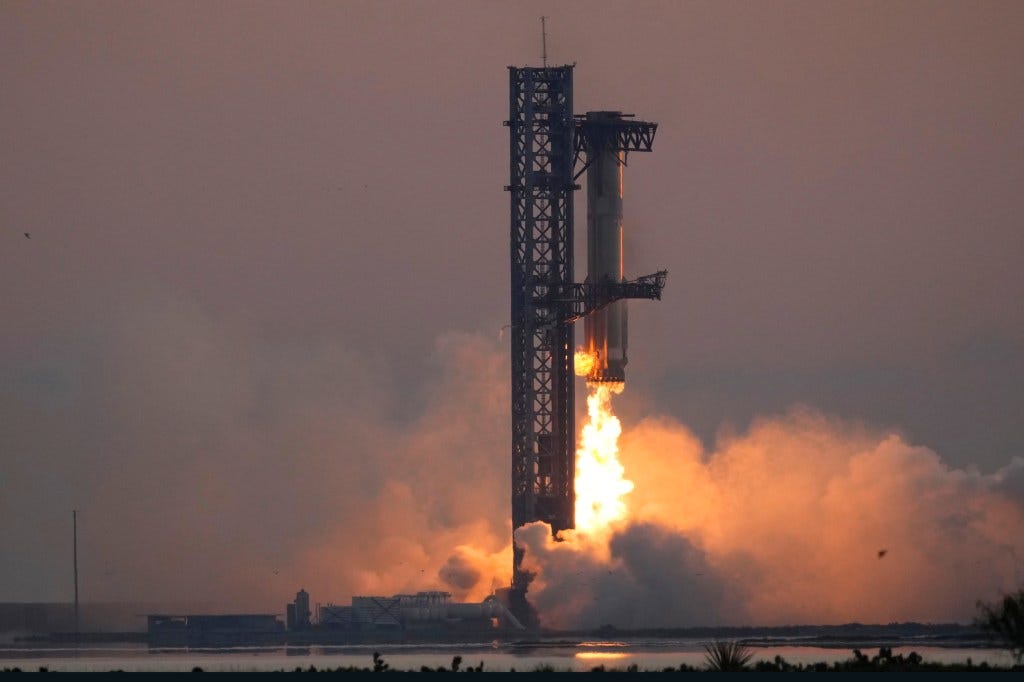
(544, 40)
(74, 521)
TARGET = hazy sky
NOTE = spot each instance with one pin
(268, 238)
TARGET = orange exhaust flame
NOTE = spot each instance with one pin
(600, 481)
(584, 362)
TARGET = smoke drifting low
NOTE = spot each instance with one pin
(802, 519)
(210, 468)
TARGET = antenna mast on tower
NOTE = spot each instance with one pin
(544, 40)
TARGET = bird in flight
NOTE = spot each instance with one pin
(882, 553)
(28, 236)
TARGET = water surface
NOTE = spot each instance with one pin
(648, 654)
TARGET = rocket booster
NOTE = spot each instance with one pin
(605, 330)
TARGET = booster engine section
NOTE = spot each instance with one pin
(605, 333)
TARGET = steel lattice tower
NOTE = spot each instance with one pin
(541, 188)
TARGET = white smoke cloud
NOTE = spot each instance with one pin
(802, 519)
(209, 467)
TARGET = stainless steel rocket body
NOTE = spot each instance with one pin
(605, 330)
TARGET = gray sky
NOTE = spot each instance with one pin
(265, 235)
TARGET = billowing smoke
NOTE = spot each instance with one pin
(802, 519)
(646, 576)
(209, 467)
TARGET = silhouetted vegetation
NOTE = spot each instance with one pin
(1004, 621)
(884, 661)
(724, 656)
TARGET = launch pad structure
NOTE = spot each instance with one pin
(547, 144)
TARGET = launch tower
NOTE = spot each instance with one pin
(546, 143)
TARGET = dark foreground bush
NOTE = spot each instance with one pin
(1004, 621)
(883, 661)
(727, 656)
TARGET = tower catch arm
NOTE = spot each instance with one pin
(580, 300)
(620, 135)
